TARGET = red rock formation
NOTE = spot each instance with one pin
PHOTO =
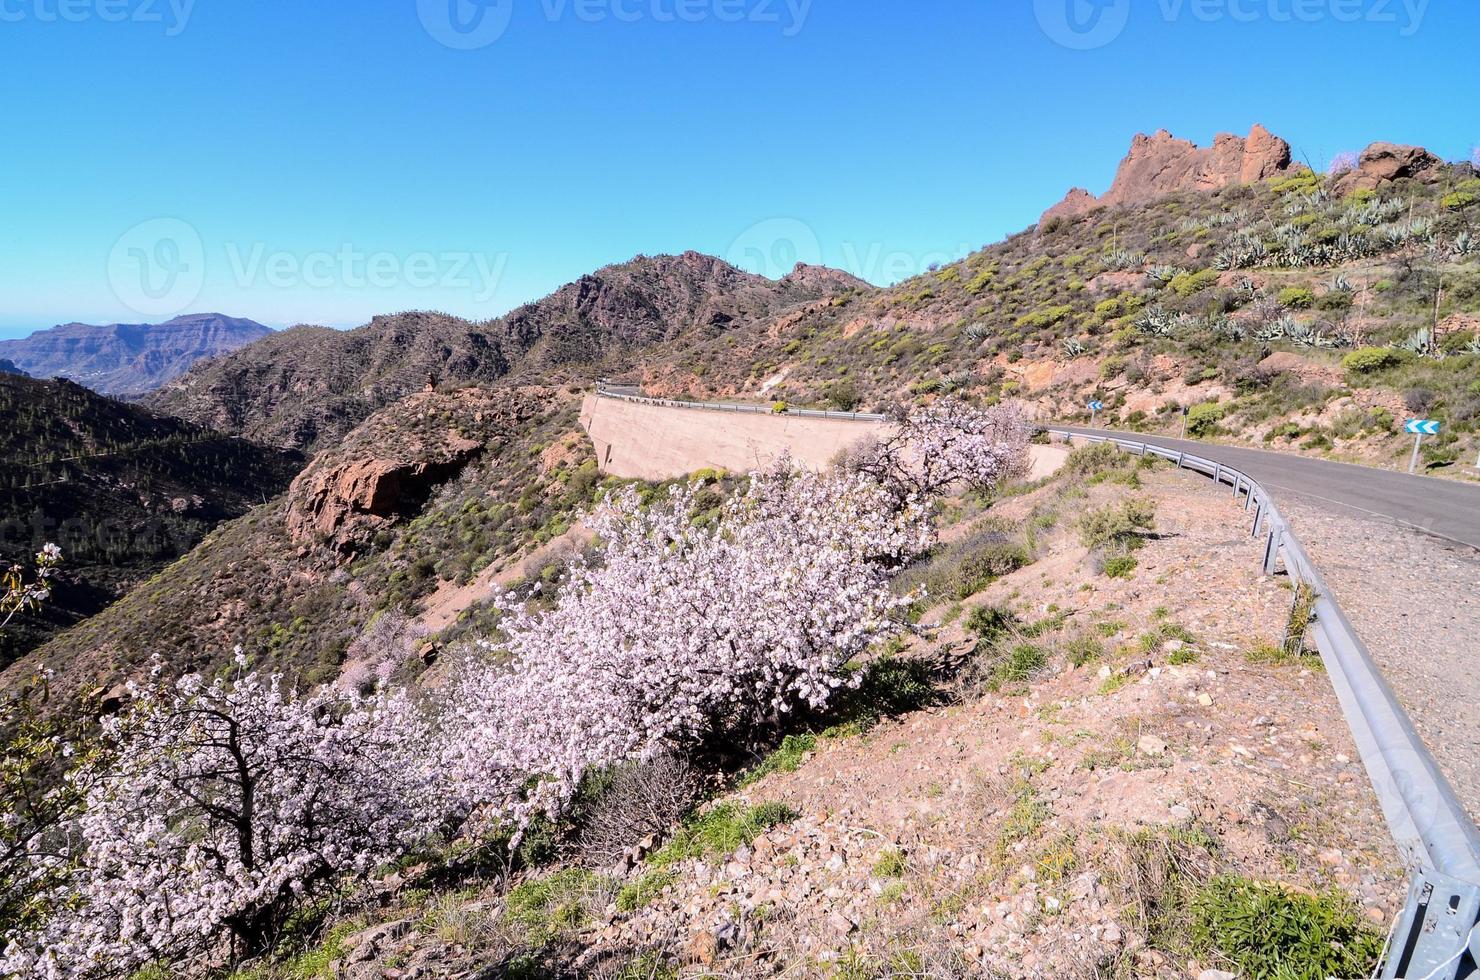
(1382, 163)
(1162, 164)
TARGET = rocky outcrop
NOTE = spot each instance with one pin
(388, 468)
(1162, 164)
(129, 359)
(8, 367)
(1382, 163)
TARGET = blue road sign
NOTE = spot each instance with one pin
(1096, 406)
(1422, 427)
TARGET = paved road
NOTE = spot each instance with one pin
(1445, 508)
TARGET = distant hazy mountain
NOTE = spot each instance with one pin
(128, 358)
(8, 367)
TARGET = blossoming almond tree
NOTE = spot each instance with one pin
(225, 806)
(685, 633)
(19, 595)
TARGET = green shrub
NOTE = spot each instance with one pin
(843, 395)
(778, 407)
(1366, 360)
(721, 830)
(547, 908)
(786, 758)
(1120, 566)
(890, 864)
(1121, 526)
(1039, 319)
(1203, 419)
(1297, 297)
(990, 622)
(637, 894)
(1021, 663)
(1191, 283)
(1265, 930)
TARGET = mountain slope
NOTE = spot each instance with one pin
(8, 367)
(1241, 304)
(121, 490)
(310, 385)
(129, 358)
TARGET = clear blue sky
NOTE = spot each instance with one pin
(291, 146)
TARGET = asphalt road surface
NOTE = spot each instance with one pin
(1445, 508)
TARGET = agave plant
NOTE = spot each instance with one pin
(1155, 322)
(1163, 273)
(1340, 284)
(1227, 327)
(977, 332)
(1463, 245)
(1420, 342)
(952, 383)
(1073, 348)
(1121, 259)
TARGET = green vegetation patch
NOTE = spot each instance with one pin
(721, 830)
(1265, 930)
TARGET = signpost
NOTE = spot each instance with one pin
(1185, 411)
(1419, 428)
(1094, 409)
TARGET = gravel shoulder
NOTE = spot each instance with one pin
(1415, 601)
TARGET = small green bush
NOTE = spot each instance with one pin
(637, 894)
(1366, 360)
(990, 622)
(721, 830)
(1297, 297)
(546, 908)
(1191, 283)
(1203, 419)
(1121, 566)
(890, 864)
(786, 758)
(1121, 526)
(1021, 663)
(1265, 930)
(778, 407)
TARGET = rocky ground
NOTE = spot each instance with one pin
(1035, 830)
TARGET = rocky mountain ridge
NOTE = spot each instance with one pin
(308, 385)
(129, 359)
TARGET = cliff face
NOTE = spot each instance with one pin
(129, 359)
(1162, 164)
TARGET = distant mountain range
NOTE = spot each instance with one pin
(8, 367)
(127, 359)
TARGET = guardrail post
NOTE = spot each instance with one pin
(1434, 929)
(1217, 473)
(1258, 519)
(1272, 551)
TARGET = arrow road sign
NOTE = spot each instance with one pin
(1422, 427)
(1096, 406)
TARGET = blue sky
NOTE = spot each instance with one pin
(322, 162)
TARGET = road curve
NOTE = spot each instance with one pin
(1444, 508)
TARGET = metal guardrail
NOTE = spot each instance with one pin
(607, 390)
(1435, 937)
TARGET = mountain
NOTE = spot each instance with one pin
(309, 385)
(129, 359)
(1162, 164)
(8, 367)
(122, 490)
